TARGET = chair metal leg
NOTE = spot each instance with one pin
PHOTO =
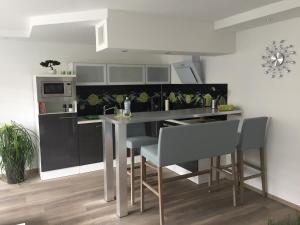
(210, 174)
(234, 177)
(241, 175)
(132, 176)
(143, 178)
(263, 172)
(160, 195)
(218, 164)
(238, 159)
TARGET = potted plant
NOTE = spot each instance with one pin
(50, 64)
(17, 150)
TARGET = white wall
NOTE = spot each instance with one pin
(259, 95)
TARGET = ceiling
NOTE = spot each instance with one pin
(15, 13)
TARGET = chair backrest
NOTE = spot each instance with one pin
(136, 129)
(253, 133)
(193, 142)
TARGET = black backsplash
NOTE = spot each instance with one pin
(183, 96)
(91, 99)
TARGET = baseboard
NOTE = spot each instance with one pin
(28, 174)
(59, 173)
(32, 172)
(273, 197)
(78, 169)
(100, 166)
(91, 167)
(27, 171)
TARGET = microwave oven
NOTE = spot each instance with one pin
(56, 88)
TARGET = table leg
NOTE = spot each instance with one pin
(121, 170)
(109, 185)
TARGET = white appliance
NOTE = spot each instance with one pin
(53, 88)
(55, 93)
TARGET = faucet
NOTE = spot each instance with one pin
(107, 109)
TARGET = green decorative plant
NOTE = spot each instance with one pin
(288, 221)
(50, 64)
(17, 150)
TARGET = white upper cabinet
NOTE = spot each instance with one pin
(158, 74)
(125, 74)
(90, 74)
(121, 74)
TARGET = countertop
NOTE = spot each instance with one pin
(84, 120)
(141, 117)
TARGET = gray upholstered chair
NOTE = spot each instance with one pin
(136, 137)
(183, 144)
(252, 137)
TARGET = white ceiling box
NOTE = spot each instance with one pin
(129, 31)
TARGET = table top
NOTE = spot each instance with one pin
(142, 117)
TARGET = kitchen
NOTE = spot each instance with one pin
(56, 94)
(224, 57)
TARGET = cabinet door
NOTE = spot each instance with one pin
(158, 74)
(58, 141)
(90, 74)
(125, 74)
(90, 143)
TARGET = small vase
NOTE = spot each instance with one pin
(52, 71)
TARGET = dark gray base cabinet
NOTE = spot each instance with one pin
(58, 140)
(90, 143)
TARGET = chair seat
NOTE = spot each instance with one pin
(150, 152)
(139, 141)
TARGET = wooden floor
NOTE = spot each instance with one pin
(78, 200)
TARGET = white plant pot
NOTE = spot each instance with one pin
(52, 71)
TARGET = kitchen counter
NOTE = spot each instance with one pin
(160, 116)
(84, 120)
(142, 117)
(170, 116)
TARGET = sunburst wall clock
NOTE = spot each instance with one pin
(278, 59)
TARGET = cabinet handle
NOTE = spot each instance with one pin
(98, 126)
